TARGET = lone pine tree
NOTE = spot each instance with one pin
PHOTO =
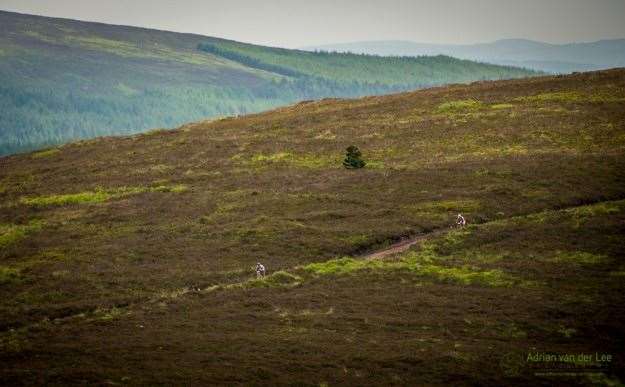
(353, 158)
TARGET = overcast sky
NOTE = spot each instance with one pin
(299, 23)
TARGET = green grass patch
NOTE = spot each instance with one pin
(109, 314)
(606, 97)
(501, 106)
(272, 158)
(467, 275)
(425, 263)
(620, 272)
(580, 257)
(12, 233)
(582, 214)
(536, 193)
(45, 153)
(341, 266)
(417, 263)
(9, 275)
(277, 279)
(170, 188)
(445, 244)
(560, 96)
(480, 256)
(598, 209)
(96, 196)
(40, 259)
(355, 239)
(460, 106)
(374, 164)
(572, 96)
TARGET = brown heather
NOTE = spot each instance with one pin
(129, 260)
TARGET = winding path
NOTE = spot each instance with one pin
(401, 246)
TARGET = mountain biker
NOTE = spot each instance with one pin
(461, 221)
(260, 270)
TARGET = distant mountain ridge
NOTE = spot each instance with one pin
(63, 79)
(555, 58)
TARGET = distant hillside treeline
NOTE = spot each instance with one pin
(556, 58)
(62, 80)
(54, 116)
(248, 60)
(391, 70)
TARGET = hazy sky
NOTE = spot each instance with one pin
(298, 23)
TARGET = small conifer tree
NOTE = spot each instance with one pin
(353, 158)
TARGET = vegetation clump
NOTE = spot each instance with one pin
(467, 275)
(278, 279)
(11, 233)
(560, 96)
(8, 275)
(353, 158)
(603, 96)
(499, 106)
(580, 257)
(45, 153)
(459, 106)
(302, 160)
(420, 265)
(169, 188)
(338, 266)
(97, 196)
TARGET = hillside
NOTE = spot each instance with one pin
(130, 259)
(553, 58)
(62, 80)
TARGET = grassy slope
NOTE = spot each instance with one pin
(64, 79)
(112, 248)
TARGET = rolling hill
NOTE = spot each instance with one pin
(554, 58)
(62, 80)
(137, 267)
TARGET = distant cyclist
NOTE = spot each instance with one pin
(461, 221)
(260, 270)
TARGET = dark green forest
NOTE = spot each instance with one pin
(62, 80)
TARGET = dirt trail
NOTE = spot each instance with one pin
(401, 246)
(393, 249)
